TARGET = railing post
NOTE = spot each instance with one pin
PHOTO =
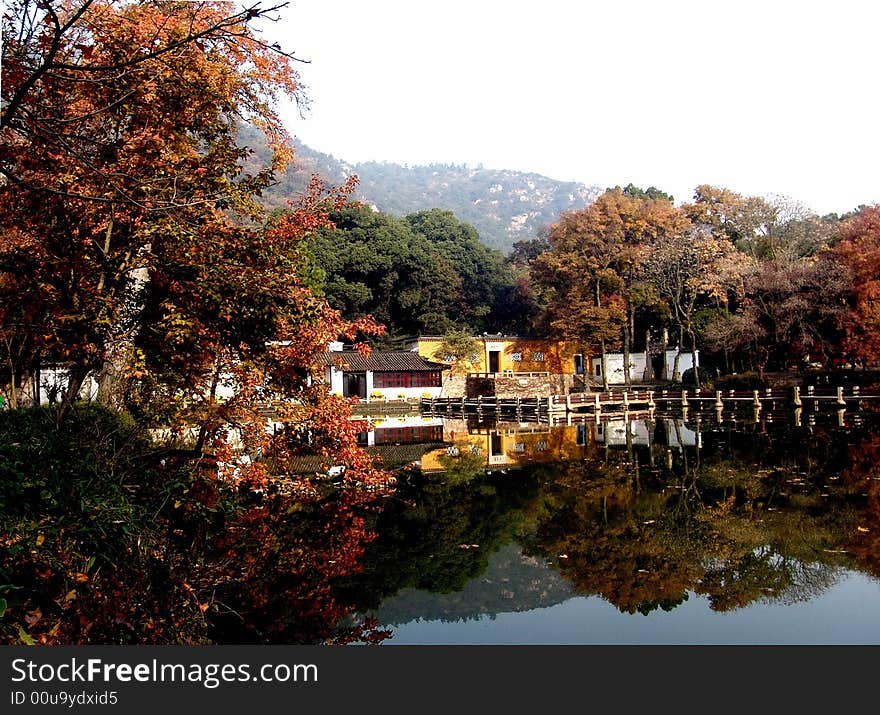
(797, 396)
(840, 400)
(756, 400)
(719, 403)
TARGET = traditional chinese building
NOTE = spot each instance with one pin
(383, 374)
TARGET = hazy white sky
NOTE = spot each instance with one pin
(761, 97)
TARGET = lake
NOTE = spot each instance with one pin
(675, 529)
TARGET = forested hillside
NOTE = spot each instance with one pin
(503, 206)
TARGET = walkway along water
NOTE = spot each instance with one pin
(648, 400)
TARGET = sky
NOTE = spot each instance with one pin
(763, 98)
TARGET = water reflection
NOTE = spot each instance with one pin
(644, 514)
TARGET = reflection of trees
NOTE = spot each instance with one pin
(436, 535)
(602, 527)
(463, 465)
(863, 475)
(273, 584)
(747, 517)
(762, 575)
(757, 514)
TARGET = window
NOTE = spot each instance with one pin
(598, 369)
(409, 435)
(516, 357)
(427, 378)
(538, 357)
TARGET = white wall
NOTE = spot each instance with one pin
(393, 393)
(685, 362)
(333, 377)
(54, 379)
(637, 366)
(613, 433)
(614, 361)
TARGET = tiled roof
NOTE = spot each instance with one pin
(392, 455)
(379, 361)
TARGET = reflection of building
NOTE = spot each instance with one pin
(434, 443)
(399, 374)
(644, 433)
(507, 444)
(404, 429)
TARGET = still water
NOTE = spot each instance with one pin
(685, 529)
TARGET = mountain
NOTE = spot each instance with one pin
(504, 206)
(511, 583)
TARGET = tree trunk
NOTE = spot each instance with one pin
(75, 380)
(37, 378)
(13, 391)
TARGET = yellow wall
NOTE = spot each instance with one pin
(510, 447)
(558, 355)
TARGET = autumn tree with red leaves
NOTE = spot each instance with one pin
(119, 160)
(594, 271)
(859, 251)
(133, 251)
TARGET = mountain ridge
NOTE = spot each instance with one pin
(503, 205)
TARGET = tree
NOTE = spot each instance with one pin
(375, 264)
(461, 348)
(118, 148)
(682, 268)
(594, 272)
(130, 236)
(76, 70)
(579, 285)
(651, 192)
(743, 220)
(164, 271)
(482, 270)
(859, 253)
